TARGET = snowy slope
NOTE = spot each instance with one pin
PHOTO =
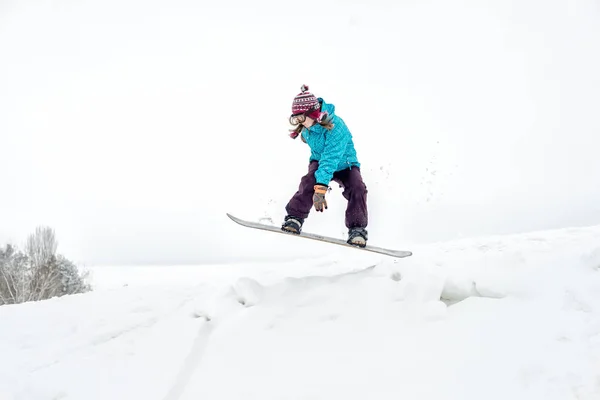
(513, 317)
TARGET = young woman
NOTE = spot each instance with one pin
(333, 158)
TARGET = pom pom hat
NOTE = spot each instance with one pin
(306, 103)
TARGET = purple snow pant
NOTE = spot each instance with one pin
(355, 191)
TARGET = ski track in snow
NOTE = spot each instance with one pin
(505, 317)
(191, 362)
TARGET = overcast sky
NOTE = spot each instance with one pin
(131, 127)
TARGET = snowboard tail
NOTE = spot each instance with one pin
(321, 238)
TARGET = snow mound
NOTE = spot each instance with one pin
(504, 317)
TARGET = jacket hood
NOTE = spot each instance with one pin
(326, 107)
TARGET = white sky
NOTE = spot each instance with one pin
(131, 127)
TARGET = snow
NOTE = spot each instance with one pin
(498, 317)
(131, 127)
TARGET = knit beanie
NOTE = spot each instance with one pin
(306, 102)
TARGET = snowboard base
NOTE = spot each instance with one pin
(321, 238)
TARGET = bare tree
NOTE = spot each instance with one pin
(41, 246)
(39, 273)
(14, 276)
(41, 249)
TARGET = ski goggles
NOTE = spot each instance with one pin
(297, 119)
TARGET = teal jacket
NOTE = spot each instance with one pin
(333, 149)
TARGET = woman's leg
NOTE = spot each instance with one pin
(301, 203)
(355, 191)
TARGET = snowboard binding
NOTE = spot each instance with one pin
(292, 224)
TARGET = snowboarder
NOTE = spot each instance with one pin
(333, 158)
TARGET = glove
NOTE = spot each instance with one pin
(319, 197)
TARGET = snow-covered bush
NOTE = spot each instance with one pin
(38, 273)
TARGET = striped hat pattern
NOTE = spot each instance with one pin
(304, 101)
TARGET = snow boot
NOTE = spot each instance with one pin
(292, 224)
(357, 237)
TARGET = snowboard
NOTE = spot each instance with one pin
(321, 238)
